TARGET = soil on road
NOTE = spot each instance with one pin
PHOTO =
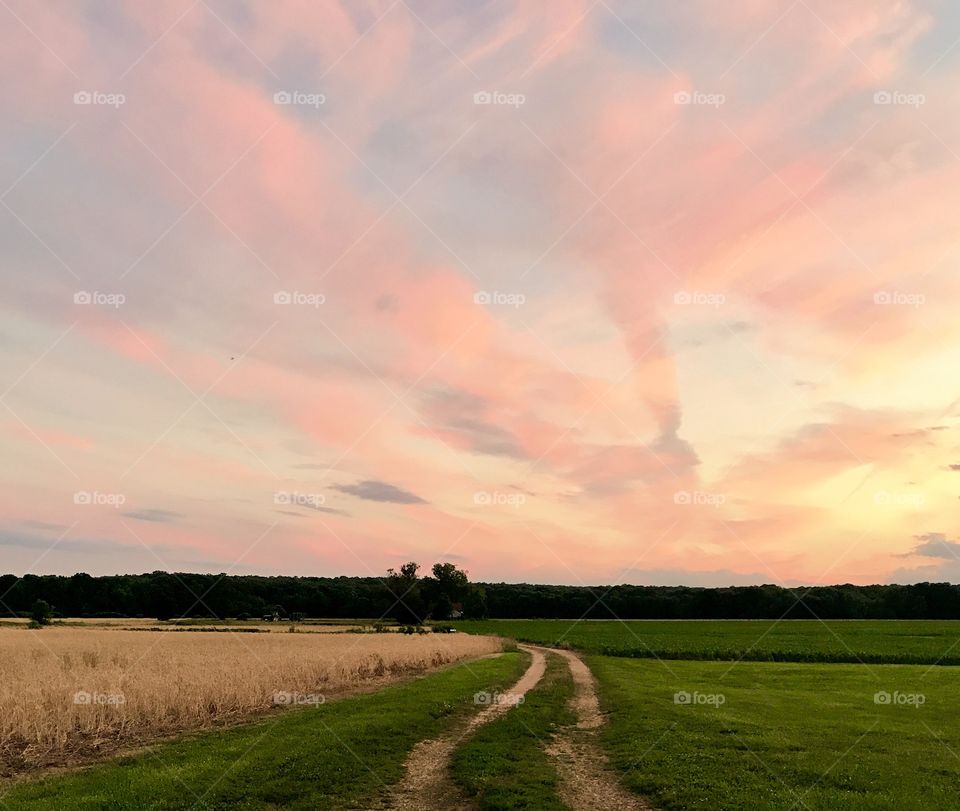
(586, 780)
(587, 783)
(427, 785)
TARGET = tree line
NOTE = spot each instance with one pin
(407, 596)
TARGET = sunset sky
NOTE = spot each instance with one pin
(622, 292)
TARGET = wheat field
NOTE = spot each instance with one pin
(76, 691)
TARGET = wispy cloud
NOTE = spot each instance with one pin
(373, 490)
(666, 298)
(154, 515)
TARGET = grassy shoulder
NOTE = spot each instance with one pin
(330, 756)
(850, 641)
(775, 736)
(504, 765)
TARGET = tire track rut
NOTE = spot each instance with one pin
(586, 780)
(426, 785)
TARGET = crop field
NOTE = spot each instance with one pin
(853, 641)
(764, 735)
(335, 756)
(200, 625)
(67, 692)
(822, 719)
(570, 726)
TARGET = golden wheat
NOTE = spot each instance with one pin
(75, 689)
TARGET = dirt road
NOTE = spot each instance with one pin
(587, 782)
(426, 785)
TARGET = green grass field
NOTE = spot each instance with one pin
(334, 756)
(785, 735)
(687, 731)
(854, 641)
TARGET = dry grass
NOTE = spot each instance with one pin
(311, 626)
(146, 685)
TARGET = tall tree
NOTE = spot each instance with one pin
(405, 590)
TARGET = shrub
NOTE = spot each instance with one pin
(40, 614)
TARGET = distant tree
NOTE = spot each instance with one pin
(451, 581)
(160, 593)
(475, 603)
(442, 608)
(412, 598)
(405, 589)
(40, 613)
(445, 592)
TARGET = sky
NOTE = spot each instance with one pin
(627, 292)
